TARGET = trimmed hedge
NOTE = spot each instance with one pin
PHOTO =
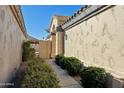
(39, 75)
(72, 64)
(63, 63)
(93, 77)
(59, 59)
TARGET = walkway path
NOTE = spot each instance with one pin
(66, 81)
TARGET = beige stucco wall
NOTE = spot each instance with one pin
(99, 41)
(53, 41)
(45, 49)
(54, 24)
(60, 42)
(57, 37)
(11, 38)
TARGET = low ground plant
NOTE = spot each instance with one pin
(39, 75)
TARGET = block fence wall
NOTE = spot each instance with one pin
(99, 39)
(45, 49)
(11, 38)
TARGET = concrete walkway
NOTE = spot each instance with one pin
(66, 81)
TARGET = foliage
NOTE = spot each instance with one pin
(63, 62)
(28, 52)
(93, 77)
(39, 75)
(31, 53)
(59, 59)
(73, 65)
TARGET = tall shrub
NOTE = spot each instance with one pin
(27, 52)
(31, 53)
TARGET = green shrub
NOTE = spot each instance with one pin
(63, 62)
(39, 75)
(73, 65)
(59, 58)
(26, 47)
(28, 53)
(31, 53)
(93, 77)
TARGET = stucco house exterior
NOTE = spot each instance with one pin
(94, 34)
(55, 39)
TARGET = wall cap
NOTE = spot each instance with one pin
(83, 14)
(16, 10)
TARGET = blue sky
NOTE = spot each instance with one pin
(38, 17)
